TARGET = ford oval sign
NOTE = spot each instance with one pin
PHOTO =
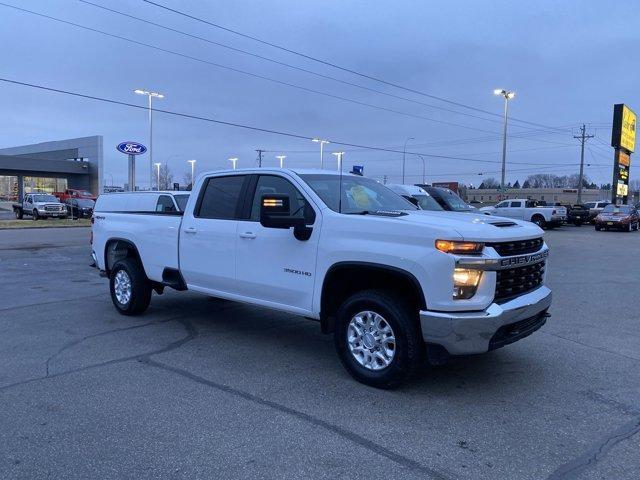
(131, 148)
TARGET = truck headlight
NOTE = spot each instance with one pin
(459, 247)
(465, 283)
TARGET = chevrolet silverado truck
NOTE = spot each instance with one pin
(40, 205)
(544, 217)
(394, 284)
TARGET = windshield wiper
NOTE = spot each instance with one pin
(381, 213)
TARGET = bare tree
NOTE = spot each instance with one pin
(166, 178)
(490, 182)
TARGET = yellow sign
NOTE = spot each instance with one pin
(622, 190)
(624, 128)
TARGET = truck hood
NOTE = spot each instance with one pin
(472, 227)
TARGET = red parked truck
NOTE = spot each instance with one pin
(74, 193)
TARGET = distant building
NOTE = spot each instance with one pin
(51, 167)
(549, 195)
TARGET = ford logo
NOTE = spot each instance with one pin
(131, 148)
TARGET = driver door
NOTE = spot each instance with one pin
(272, 267)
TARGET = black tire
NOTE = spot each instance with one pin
(18, 213)
(630, 227)
(140, 296)
(578, 224)
(597, 228)
(35, 215)
(403, 320)
(540, 221)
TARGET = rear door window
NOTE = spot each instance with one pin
(221, 198)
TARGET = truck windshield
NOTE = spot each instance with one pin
(427, 202)
(359, 194)
(85, 202)
(454, 201)
(45, 198)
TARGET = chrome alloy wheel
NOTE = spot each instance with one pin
(371, 340)
(122, 287)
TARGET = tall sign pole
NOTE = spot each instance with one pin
(623, 139)
(131, 149)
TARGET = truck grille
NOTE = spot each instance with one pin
(517, 281)
(51, 208)
(506, 249)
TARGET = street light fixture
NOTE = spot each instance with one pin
(507, 96)
(404, 155)
(281, 158)
(234, 160)
(192, 162)
(423, 168)
(158, 169)
(339, 157)
(150, 95)
(322, 144)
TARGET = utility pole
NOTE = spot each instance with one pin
(259, 151)
(583, 137)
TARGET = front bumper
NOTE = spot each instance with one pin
(464, 333)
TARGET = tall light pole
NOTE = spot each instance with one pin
(339, 157)
(507, 96)
(281, 158)
(158, 167)
(423, 168)
(404, 155)
(151, 96)
(234, 160)
(192, 162)
(322, 144)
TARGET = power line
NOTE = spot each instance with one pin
(243, 72)
(231, 124)
(330, 64)
(277, 62)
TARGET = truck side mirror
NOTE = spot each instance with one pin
(275, 212)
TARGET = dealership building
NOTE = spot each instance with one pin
(51, 167)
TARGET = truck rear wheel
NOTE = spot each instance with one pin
(539, 220)
(18, 213)
(130, 288)
(377, 339)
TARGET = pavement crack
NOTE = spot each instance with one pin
(77, 341)
(353, 437)
(75, 299)
(191, 334)
(596, 452)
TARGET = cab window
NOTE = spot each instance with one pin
(300, 207)
(502, 205)
(515, 204)
(221, 197)
(165, 204)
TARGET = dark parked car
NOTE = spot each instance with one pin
(448, 199)
(578, 214)
(80, 207)
(618, 217)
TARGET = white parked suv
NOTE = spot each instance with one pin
(391, 282)
(520, 209)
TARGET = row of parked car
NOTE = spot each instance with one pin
(603, 214)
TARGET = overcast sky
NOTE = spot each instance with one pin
(568, 63)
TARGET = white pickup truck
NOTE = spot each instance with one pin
(520, 209)
(390, 281)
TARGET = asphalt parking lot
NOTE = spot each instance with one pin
(204, 388)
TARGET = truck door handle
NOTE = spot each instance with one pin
(248, 235)
(190, 230)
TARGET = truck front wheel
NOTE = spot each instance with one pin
(35, 215)
(377, 339)
(130, 288)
